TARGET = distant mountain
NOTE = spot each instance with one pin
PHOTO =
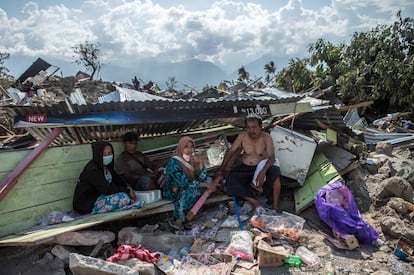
(194, 73)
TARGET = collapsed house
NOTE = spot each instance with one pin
(316, 142)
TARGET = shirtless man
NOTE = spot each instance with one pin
(256, 146)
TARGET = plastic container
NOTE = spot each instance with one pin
(307, 256)
(293, 260)
(148, 196)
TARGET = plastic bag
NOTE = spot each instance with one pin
(336, 207)
(241, 245)
(282, 225)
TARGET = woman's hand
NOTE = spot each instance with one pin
(209, 187)
(132, 194)
(196, 162)
(175, 188)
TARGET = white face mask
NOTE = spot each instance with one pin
(186, 157)
(107, 159)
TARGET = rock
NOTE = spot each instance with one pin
(397, 187)
(400, 205)
(84, 265)
(84, 238)
(63, 252)
(387, 169)
(381, 272)
(142, 267)
(396, 227)
(405, 170)
(384, 148)
(156, 241)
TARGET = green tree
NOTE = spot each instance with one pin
(326, 59)
(89, 55)
(296, 78)
(270, 70)
(5, 78)
(284, 80)
(171, 83)
(3, 69)
(243, 75)
(381, 66)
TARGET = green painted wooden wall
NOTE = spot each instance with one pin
(49, 183)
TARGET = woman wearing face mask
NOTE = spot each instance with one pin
(186, 180)
(99, 188)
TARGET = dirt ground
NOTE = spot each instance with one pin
(383, 192)
(384, 195)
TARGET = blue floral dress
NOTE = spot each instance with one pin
(189, 191)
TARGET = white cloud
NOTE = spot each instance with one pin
(230, 33)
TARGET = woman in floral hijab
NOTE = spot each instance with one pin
(186, 180)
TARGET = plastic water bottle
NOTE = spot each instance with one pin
(329, 268)
(307, 256)
(378, 243)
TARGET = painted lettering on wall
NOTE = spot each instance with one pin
(36, 118)
(258, 110)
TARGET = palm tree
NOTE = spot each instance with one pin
(243, 74)
(270, 71)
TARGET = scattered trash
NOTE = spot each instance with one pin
(307, 256)
(268, 256)
(404, 249)
(282, 225)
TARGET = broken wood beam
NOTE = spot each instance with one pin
(225, 167)
(358, 105)
(285, 119)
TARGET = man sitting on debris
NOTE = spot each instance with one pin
(134, 166)
(258, 169)
(186, 180)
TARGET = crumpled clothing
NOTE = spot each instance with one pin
(125, 252)
(260, 167)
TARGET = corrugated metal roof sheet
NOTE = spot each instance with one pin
(330, 116)
(373, 136)
(149, 118)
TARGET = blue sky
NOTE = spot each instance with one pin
(228, 33)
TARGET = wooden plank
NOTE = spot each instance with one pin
(46, 235)
(37, 195)
(7, 183)
(224, 168)
(13, 157)
(358, 105)
(323, 173)
(170, 207)
(290, 108)
(15, 221)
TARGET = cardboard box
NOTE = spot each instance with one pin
(404, 249)
(350, 241)
(269, 256)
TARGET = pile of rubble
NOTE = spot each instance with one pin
(216, 243)
(220, 241)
